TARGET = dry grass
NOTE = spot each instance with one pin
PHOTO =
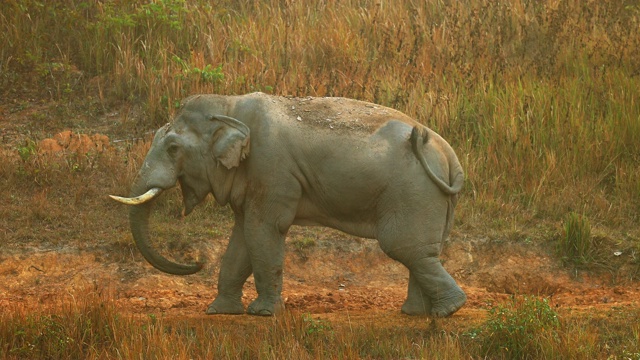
(539, 99)
(90, 326)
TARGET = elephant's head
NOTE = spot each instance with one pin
(188, 151)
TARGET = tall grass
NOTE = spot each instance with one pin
(540, 99)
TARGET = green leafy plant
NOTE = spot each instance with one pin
(316, 326)
(27, 150)
(523, 328)
(208, 73)
(315, 332)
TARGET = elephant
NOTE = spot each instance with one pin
(361, 168)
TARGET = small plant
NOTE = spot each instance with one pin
(27, 150)
(302, 246)
(304, 243)
(521, 329)
(316, 326)
(208, 74)
(315, 332)
(575, 245)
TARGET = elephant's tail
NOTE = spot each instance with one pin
(419, 137)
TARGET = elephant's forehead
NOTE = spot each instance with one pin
(185, 120)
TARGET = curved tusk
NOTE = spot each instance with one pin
(138, 199)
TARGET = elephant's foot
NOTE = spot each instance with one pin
(418, 303)
(447, 304)
(223, 305)
(417, 308)
(263, 306)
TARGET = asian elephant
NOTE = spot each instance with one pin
(361, 168)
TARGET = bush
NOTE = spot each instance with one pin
(524, 328)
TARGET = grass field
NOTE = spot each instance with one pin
(540, 100)
(524, 328)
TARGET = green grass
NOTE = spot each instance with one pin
(576, 244)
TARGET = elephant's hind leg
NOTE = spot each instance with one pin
(418, 302)
(434, 281)
(416, 244)
(234, 271)
(432, 291)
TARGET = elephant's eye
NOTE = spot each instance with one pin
(172, 149)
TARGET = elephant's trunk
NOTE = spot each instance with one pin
(139, 221)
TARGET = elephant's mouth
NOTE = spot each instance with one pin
(191, 196)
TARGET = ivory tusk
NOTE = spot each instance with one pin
(138, 199)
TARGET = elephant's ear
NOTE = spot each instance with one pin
(230, 143)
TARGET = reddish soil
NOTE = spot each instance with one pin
(329, 283)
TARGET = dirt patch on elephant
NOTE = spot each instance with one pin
(339, 114)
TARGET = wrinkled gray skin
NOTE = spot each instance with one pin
(361, 168)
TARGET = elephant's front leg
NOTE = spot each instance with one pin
(265, 241)
(234, 271)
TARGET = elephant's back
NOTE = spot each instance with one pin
(337, 114)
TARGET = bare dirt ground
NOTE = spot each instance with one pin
(331, 284)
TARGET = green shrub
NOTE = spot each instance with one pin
(524, 328)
